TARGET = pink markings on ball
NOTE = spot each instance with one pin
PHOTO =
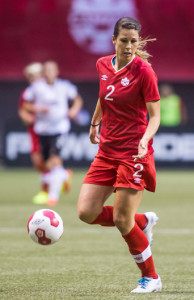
(53, 220)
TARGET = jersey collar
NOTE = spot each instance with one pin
(116, 71)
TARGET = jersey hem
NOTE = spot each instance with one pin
(129, 157)
(151, 99)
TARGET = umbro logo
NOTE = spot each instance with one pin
(137, 180)
(125, 81)
(104, 77)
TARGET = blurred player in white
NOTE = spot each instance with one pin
(48, 99)
(32, 73)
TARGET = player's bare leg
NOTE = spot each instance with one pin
(39, 164)
(91, 200)
(126, 204)
(104, 214)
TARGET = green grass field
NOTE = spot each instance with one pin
(92, 262)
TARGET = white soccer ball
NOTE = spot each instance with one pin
(45, 227)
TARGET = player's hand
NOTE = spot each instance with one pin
(93, 135)
(72, 113)
(41, 109)
(142, 150)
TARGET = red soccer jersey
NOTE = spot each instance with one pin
(123, 96)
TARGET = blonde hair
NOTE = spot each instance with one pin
(33, 69)
(141, 52)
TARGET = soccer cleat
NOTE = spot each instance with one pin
(52, 202)
(148, 285)
(67, 184)
(40, 198)
(152, 219)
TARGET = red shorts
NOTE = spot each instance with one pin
(35, 145)
(123, 173)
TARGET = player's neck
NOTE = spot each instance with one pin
(121, 63)
(50, 81)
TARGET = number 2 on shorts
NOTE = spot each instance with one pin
(140, 168)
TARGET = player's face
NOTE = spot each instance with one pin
(50, 72)
(126, 43)
(33, 77)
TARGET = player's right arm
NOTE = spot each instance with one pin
(94, 130)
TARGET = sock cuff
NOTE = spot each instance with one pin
(143, 256)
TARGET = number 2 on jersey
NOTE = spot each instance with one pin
(112, 88)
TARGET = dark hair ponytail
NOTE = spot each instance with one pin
(130, 23)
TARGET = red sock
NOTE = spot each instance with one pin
(140, 249)
(141, 220)
(106, 218)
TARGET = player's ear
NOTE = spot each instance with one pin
(113, 40)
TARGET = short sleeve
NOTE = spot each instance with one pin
(28, 94)
(150, 85)
(97, 65)
(72, 90)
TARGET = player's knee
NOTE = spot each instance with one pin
(119, 221)
(53, 161)
(39, 166)
(84, 215)
(123, 222)
(37, 161)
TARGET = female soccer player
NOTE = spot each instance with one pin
(33, 73)
(48, 100)
(125, 162)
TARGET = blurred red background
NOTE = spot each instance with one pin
(76, 32)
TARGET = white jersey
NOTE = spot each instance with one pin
(55, 97)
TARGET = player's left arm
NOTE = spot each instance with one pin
(94, 129)
(153, 108)
(77, 104)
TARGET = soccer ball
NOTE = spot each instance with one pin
(45, 227)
